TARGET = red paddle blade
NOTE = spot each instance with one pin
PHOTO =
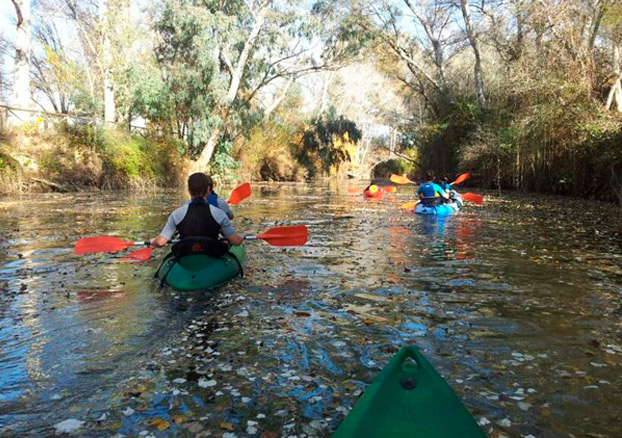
(89, 245)
(240, 193)
(390, 189)
(140, 255)
(461, 178)
(399, 179)
(286, 236)
(472, 197)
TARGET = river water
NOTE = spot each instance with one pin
(517, 303)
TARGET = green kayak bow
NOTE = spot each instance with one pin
(409, 399)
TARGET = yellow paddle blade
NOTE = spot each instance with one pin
(399, 179)
(409, 205)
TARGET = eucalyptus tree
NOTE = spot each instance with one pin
(21, 81)
(215, 57)
(612, 24)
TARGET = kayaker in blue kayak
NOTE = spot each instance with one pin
(197, 217)
(443, 182)
(429, 192)
(213, 199)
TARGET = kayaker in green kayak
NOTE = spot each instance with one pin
(197, 218)
(213, 199)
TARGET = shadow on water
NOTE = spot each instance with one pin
(516, 303)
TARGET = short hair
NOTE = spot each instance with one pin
(429, 176)
(199, 183)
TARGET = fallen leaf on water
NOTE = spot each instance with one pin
(303, 314)
(226, 426)
(158, 422)
(178, 419)
(195, 427)
(372, 297)
(68, 426)
(363, 311)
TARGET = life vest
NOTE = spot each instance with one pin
(212, 199)
(198, 221)
(428, 190)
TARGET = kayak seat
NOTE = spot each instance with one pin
(198, 246)
(429, 200)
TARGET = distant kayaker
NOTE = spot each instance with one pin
(430, 192)
(213, 199)
(443, 182)
(197, 217)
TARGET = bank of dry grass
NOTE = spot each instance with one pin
(82, 157)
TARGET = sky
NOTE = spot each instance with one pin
(7, 30)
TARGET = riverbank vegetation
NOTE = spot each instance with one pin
(68, 158)
(525, 94)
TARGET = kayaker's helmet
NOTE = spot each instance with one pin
(429, 176)
(373, 189)
(443, 178)
(199, 184)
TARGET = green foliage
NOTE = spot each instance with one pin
(190, 79)
(267, 154)
(141, 90)
(223, 163)
(7, 163)
(386, 168)
(111, 158)
(321, 146)
(83, 135)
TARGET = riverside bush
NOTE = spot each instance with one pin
(92, 156)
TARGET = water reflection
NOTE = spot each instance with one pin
(523, 322)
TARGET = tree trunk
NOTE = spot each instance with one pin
(615, 95)
(236, 76)
(615, 92)
(473, 40)
(202, 163)
(237, 73)
(21, 83)
(109, 104)
(325, 88)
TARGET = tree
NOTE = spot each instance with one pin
(473, 39)
(372, 100)
(322, 144)
(423, 35)
(217, 57)
(54, 74)
(109, 102)
(613, 30)
(3, 51)
(21, 82)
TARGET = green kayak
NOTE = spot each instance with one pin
(409, 399)
(200, 272)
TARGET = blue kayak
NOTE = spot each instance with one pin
(441, 209)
